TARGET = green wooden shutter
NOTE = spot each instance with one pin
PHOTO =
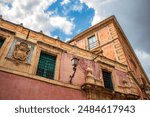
(107, 80)
(46, 66)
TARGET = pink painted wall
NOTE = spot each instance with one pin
(66, 69)
(120, 77)
(19, 87)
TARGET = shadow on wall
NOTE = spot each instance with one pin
(81, 73)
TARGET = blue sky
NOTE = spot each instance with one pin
(66, 18)
(79, 13)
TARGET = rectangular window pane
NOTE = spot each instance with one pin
(46, 66)
(1, 41)
(92, 42)
(107, 80)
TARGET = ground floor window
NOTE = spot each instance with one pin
(46, 65)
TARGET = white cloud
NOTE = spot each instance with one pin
(65, 2)
(144, 58)
(32, 13)
(6, 1)
(93, 3)
(96, 19)
(62, 23)
(77, 7)
(97, 6)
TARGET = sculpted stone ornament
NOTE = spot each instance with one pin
(20, 53)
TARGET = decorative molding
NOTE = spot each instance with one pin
(6, 30)
(20, 53)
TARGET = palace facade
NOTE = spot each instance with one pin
(98, 63)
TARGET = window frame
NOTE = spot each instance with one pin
(111, 75)
(49, 50)
(93, 43)
(2, 38)
(55, 64)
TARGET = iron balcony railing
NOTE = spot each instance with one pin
(92, 45)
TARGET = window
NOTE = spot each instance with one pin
(107, 80)
(46, 66)
(1, 41)
(92, 42)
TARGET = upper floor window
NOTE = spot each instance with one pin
(46, 65)
(92, 42)
(1, 41)
(107, 80)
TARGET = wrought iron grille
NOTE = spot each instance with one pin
(92, 42)
(46, 66)
(93, 45)
(107, 80)
(1, 42)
